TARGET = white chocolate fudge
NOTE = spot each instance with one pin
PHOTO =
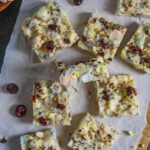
(49, 31)
(92, 135)
(44, 140)
(133, 8)
(84, 72)
(137, 51)
(117, 96)
(102, 37)
(51, 104)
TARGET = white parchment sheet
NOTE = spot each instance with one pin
(19, 69)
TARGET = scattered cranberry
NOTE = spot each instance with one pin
(101, 53)
(77, 2)
(60, 106)
(103, 44)
(135, 49)
(53, 27)
(50, 46)
(3, 140)
(105, 96)
(42, 121)
(131, 90)
(20, 111)
(12, 88)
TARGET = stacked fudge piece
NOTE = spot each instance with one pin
(49, 31)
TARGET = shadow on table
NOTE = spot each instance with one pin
(111, 6)
(92, 106)
(131, 29)
(69, 130)
(14, 143)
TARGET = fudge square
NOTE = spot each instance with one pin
(43, 140)
(51, 104)
(117, 96)
(102, 37)
(83, 72)
(137, 51)
(49, 31)
(133, 8)
(92, 135)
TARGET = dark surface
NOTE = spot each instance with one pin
(7, 22)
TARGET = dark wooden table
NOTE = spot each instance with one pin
(7, 22)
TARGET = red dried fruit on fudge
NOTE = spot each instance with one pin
(50, 46)
(12, 88)
(135, 49)
(83, 38)
(131, 90)
(103, 44)
(146, 59)
(34, 98)
(51, 148)
(106, 95)
(20, 111)
(42, 121)
(101, 53)
(79, 62)
(60, 106)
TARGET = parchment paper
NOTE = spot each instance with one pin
(20, 69)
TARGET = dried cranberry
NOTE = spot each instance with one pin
(12, 88)
(53, 27)
(50, 148)
(101, 53)
(83, 38)
(103, 44)
(77, 2)
(105, 95)
(60, 106)
(3, 140)
(42, 121)
(50, 46)
(147, 60)
(131, 90)
(34, 98)
(20, 111)
(79, 62)
(135, 49)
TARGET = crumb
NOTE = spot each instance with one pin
(130, 133)
(141, 145)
